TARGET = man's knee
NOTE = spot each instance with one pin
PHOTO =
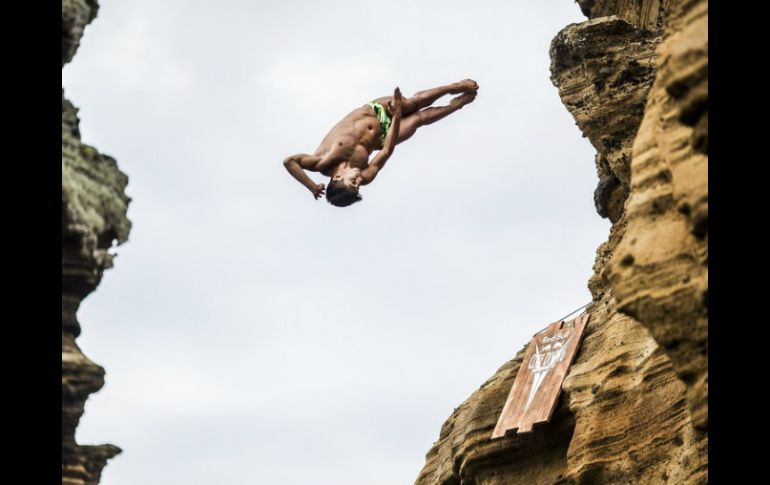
(408, 107)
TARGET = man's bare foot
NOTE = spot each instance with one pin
(460, 101)
(468, 86)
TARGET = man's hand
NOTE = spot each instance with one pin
(318, 191)
(389, 143)
(394, 106)
(295, 165)
(395, 124)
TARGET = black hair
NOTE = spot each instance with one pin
(337, 193)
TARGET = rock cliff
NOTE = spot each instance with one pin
(94, 209)
(634, 405)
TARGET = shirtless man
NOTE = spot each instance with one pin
(380, 125)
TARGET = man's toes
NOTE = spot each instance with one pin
(469, 86)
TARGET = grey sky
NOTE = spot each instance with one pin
(253, 335)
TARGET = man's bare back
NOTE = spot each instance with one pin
(344, 152)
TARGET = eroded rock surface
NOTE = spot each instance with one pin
(659, 271)
(633, 408)
(94, 207)
(604, 69)
(75, 15)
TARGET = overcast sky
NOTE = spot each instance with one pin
(254, 335)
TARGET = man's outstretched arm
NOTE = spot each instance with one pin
(295, 165)
(390, 142)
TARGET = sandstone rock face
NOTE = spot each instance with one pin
(633, 408)
(604, 69)
(75, 15)
(94, 209)
(659, 272)
(621, 418)
(645, 14)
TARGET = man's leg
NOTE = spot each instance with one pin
(409, 124)
(423, 99)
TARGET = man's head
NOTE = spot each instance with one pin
(342, 189)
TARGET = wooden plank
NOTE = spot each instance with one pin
(536, 389)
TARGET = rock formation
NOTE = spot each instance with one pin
(634, 405)
(94, 209)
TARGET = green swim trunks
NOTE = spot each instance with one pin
(385, 120)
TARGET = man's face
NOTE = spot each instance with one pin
(350, 176)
